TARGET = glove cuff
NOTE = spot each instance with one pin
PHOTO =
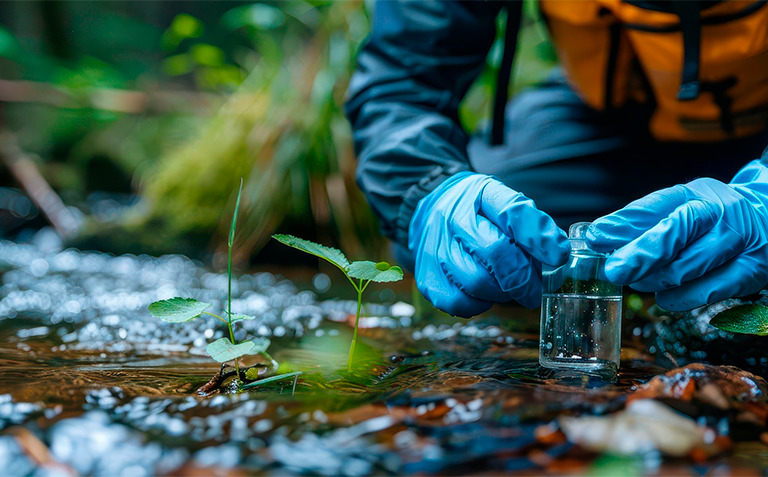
(752, 181)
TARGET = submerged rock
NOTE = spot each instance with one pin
(720, 386)
(644, 426)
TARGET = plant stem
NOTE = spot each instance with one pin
(360, 289)
(229, 305)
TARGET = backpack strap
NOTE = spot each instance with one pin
(690, 23)
(501, 96)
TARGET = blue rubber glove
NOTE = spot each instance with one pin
(691, 244)
(476, 242)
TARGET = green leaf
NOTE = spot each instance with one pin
(177, 310)
(235, 318)
(377, 272)
(748, 319)
(222, 350)
(332, 255)
(231, 239)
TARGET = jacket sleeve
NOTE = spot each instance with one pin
(418, 63)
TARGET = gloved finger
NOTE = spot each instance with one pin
(741, 276)
(661, 244)
(704, 255)
(617, 229)
(440, 290)
(510, 274)
(518, 218)
(457, 303)
(522, 284)
(472, 277)
(447, 297)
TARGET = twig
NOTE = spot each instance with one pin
(215, 382)
(25, 171)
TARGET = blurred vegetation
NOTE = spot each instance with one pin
(283, 130)
(175, 101)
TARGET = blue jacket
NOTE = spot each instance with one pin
(416, 67)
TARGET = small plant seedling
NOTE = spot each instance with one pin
(360, 274)
(179, 310)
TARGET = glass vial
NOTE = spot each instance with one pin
(580, 313)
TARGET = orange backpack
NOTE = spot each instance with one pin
(705, 71)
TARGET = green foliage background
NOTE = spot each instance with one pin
(225, 90)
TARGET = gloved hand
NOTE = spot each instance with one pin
(476, 241)
(691, 244)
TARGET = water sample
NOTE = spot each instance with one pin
(580, 313)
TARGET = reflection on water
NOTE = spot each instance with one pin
(91, 384)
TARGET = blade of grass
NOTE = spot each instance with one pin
(272, 379)
(230, 242)
(231, 239)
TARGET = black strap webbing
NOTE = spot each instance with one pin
(690, 23)
(514, 12)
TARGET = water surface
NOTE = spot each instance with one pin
(91, 384)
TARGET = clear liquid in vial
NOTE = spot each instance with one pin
(579, 333)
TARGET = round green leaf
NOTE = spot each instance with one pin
(330, 254)
(378, 272)
(177, 310)
(222, 350)
(748, 319)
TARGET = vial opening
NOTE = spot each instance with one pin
(576, 234)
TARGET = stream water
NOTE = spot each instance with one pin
(91, 384)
